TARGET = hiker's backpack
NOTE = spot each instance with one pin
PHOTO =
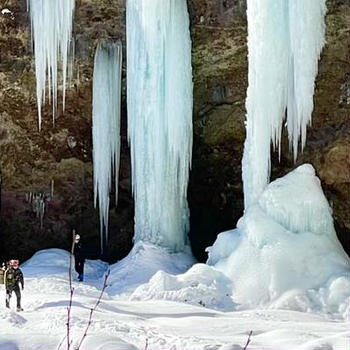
(10, 278)
(2, 272)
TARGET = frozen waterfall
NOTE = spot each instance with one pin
(285, 39)
(51, 35)
(106, 126)
(285, 252)
(160, 118)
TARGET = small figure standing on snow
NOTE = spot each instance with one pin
(13, 277)
(79, 258)
(2, 273)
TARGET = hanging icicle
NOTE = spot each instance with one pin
(307, 37)
(106, 126)
(160, 118)
(285, 39)
(51, 23)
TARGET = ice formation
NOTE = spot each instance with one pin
(200, 285)
(285, 252)
(159, 118)
(51, 35)
(106, 126)
(285, 39)
(142, 263)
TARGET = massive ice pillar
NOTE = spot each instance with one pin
(285, 252)
(51, 35)
(159, 95)
(285, 38)
(106, 126)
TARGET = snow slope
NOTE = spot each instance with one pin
(123, 324)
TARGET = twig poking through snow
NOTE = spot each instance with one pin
(71, 291)
(93, 309)
(248, 340)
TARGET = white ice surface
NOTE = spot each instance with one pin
(51, 23)
(285, 252)
(285, 39)
(159, 93)
(142, 263)
(106, 105)
(164, 325)
(6, 11)
(200, 285)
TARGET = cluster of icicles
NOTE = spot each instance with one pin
(51, 35)
(285, 38)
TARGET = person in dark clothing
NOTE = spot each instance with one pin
(79, 257)
(13, 277)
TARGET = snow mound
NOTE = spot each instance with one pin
(105, 343)
(201, 285)
(333, 299)
(297, 203)
(285, 252)
(56, 262)
(142, 263)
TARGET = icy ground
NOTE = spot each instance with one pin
(125, 321)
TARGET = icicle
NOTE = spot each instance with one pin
(37, 203)
(160, 118)
(307, 37)
(106, 126)
(266, 94)
(284, 42)
(51, 23)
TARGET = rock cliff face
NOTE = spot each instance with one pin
(31, 161)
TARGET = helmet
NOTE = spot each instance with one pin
(77, 237)
(14, 263)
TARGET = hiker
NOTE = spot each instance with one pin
(13, 277)
(79, 258)
(2, 273)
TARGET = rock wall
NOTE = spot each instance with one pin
(31, 160)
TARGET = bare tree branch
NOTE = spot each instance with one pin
(248, 340)
(71, 291)
(93, 310)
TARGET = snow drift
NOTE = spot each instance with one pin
(142, 263)
(201, 285)
(285, 252)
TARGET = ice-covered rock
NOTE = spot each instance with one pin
(285, 252)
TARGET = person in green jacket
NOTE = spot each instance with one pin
(13, 277)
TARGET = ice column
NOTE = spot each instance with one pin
(285, 39)
(51, 23)
(160, 118)
(106, 126)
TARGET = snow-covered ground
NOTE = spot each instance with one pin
(125, 321)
